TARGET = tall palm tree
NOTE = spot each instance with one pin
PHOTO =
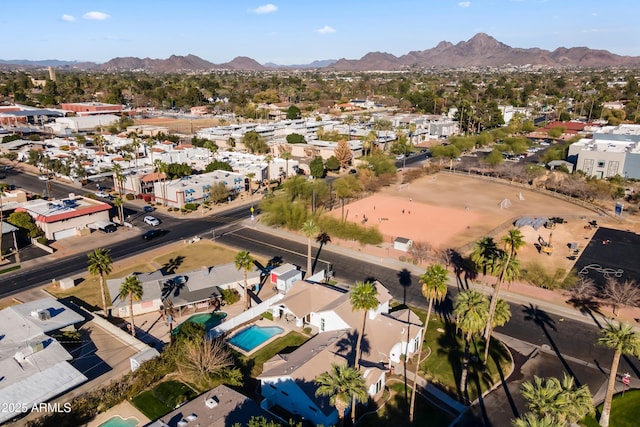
(100, 264)
(268, 158)
(119, 204)
(118, 177)
(434, 289)
(310, 229)
(623, 340)
(131, 288)
(244, 261)
(3, 189)
(364, 297)
(561, 401)
(286, 156)
(484, 254)
(471, 310)
(161, 169)
(342, 384)
(513, 241)
(501, 317)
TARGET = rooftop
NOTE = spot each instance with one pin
(57, 210)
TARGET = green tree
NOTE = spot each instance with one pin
(494, 158)
(342, 384)
(218, 165)
(100, 265)
(345, 187)
(363, 297)
(512, 241)
(254, 143)
(501, 317)
(25, 222)
(622, 340)
(332, 164)
(316, 167)
(293, 113)
(161, 168)
(218, 192)
(178, 170)
(471, 310)
(244, 261)
(296, 138)
(434, 289)
(310, 229)
(561, 401)
(131, 289)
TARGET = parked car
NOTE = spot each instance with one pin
(151, 220)
(109, 228)
(43, 177)
(148, 208)
(102, 194)
(151, 234)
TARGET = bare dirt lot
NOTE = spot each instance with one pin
(180, 125)
(454, 211)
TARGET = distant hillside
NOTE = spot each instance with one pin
(481, 50)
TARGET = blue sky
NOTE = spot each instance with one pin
(300, 31)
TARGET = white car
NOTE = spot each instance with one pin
(43, 177)
(151, 220)
(102, 194)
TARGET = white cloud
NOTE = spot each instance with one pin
(96, 16)
(68, 18)
(326, 30)
(267, 8)
(464, 4)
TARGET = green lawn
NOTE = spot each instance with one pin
(162, 399)
(625, 411)
(395, 412)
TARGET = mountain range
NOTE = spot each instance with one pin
(481, 50)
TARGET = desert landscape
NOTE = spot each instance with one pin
(455, 211)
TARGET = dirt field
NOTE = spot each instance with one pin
(454, 211)
(180, 125)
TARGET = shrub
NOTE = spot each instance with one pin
(129, 196)
(351, 231)
(43, 240)
(267, 315)
(191, 206)
(230, 296)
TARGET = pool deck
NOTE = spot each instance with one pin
(124, 410)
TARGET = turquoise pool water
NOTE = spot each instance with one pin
(252, 336)
(119, 422)
(208, 320)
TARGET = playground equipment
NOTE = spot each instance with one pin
(545, 246)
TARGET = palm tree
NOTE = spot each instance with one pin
(434, 289)
(501, 316)
(513, 241)
(119, 203)
(484, 254)
(3, 189)
(363, 296)
(161, 169)
(268, 158)
(286, 156)
(131, 288)
(623, 340)
(118, 177)
(244, 261)
(100, 265)
(471, 309)
(342, 384)
(532, 420)
(561, 401)
(310, 229)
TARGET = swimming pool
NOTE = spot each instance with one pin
(254, 335)
(117, 421)
(208, 320)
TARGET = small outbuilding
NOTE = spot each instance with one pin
(402, 244)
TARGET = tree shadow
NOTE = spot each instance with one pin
(464, 269)
(450, 347)
(171, 266)
(587, 305)
(541, 319)
(404, 278)
(346, 346)
(322, 238)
